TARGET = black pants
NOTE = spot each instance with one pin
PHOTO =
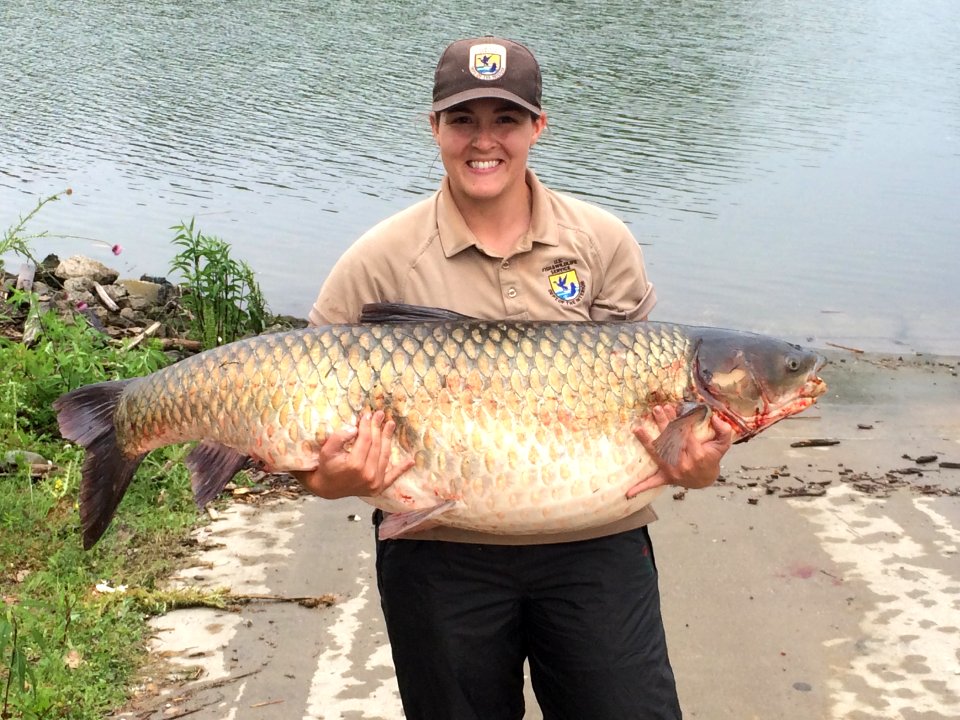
(463, 617)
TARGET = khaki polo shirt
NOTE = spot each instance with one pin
(576, 262)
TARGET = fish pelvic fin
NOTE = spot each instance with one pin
(397, 524)
(212, 466)
(670, 442)
(85, 416)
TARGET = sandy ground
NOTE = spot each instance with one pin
(812, 582)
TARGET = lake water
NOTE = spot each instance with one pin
(791, 166)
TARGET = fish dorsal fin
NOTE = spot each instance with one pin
(399, 312)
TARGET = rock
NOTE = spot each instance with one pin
(148, 293)
(138, 303)
(286, 322)
(79, 266)
(157, 280)
(116, 292)
(70, 287)
(81, 300)
(122, 321)
(77, 285)
(12, 457)
(42, 289)
(48, 267)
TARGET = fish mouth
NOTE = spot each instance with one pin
(815, 386)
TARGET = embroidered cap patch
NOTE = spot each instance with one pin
(488, 61)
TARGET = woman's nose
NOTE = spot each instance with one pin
(484, 138)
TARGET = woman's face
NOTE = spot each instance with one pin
(484, 146)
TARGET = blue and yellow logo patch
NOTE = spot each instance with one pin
(488, 61)
(566, 286)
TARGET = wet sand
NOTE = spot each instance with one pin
(812, 582)
(843, 605)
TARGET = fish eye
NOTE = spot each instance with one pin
(793, 364)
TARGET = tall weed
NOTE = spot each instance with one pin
(221, 293)
(15, 241)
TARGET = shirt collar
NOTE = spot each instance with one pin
(456, 237)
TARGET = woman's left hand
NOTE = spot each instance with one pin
(699, 461)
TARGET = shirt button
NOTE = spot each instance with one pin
(512, 293)
(505, 265)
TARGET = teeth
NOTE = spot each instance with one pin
(483, 164)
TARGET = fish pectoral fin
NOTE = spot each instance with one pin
(674, 436)
(212, 466)
(398, 524)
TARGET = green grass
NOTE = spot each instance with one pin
(82, 647)
(67, 650)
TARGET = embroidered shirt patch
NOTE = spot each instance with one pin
(565, 285)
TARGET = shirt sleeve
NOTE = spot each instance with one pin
(375, 267)
(349, 286)
(626, 293)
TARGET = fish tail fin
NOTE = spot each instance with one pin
(85, 416)
(212, 466)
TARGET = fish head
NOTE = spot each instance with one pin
(753, 381)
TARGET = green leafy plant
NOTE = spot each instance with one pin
(220, 293)
(15, 241)
(20, 678)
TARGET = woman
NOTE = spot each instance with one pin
(464, 609)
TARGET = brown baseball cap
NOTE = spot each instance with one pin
(486, 67)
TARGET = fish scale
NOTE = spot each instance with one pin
(514, 427)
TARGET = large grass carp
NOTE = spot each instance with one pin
(515, 427)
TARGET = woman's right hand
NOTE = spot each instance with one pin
(355, 461)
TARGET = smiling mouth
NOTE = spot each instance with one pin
(483, 164)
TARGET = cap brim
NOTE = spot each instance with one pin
(478, 93)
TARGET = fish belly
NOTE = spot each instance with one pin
(521, 479)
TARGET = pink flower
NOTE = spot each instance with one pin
(116, 249)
